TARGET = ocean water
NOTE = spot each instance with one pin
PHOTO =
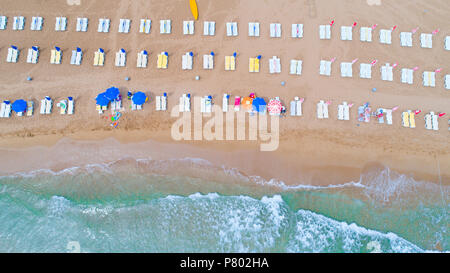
(189, 205)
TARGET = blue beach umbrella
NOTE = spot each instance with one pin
(112, 93)
(259, 105)
(102, 100)
(19, 106)
(139, 98)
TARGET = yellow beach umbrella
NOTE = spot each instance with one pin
(194, 8)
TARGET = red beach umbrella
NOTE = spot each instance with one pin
(274, 106)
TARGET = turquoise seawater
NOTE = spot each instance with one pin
(189, 205)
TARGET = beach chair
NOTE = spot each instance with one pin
(428, 122)
(346, 70)
(340, 112)
(298, 106)
(346, 33)
(406, 39)
(412, 119)
(407, 75)
(253, 29)
(447, 43)
(366, 34)
(162, 61)
(346, 110)
(30, 108)
(33, 55)
(275, 30)
(405, 119)
(365, 71)
(6, 113)
(48, 105)
(103, 25)
(434, 121)
(207, 104)
(70, 106)
(325, 32)
(36, 23)
(386, 36)
(388, 116)
(63, 105)
(145, 26)
(447, 82)
(230, 63)
(61, 24)
(2, 110)
(293, 110)
(296, 67)
(187, 103)
(237, 103)
(121, 58)
(124, 25)
(43, 106)
(429, 79)
(297, 31)
(320, 109)
(164, 102)
(386, 72)
(188, 27)
(76, 57)
(187, 61)
(325, 68)
(165, 26)
(19, 23)
(225, 100)
(426, 40)
(253, 65)
(142, 59)
(99, 58)
(325, 110)
(13, 55)
(82, 24)
(181, 103)
(158, 103)
(55, 56)
(232, 29)
(208, 61)
(3, 22)
(209, 28)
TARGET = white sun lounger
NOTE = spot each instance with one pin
(253, 29)
(209, 28)
(296, 67)
(275, 30)
(274, 65)
(388, 113)
(346, 33)
(3, 22)
(124, 25)
(161, 103)
(2, 110)
(43, 106)
(19, 23)
(61, 24)
(325, 32)
(33, 55)
(386, 72)
(386, 36)
(365, 71)
(346, 110)
(346, 70)
(434, 121)
(325, 68)
(406, 39)
(366, 34)
(208, 61)
(447, 82)
(429, 79)
(426, 40)
(142, 59)
(428, 122)
(225, 100)
(158, 103)
(407, 75)
(186, 61)
(165, 26)
(340, 112)
(48, 106)
(145, 26)
(121, 58)
(13, 55)
(70, 106)
(76, 57)
(82, 24)
(99, 58)
(297, 31)
(103, 25)
(36, 23)
(232, 29)
(5, 109)
(188, 27)
(447, 43)
(320, 109)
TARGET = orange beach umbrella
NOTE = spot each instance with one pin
(247, 103)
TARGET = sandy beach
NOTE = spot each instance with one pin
(311, 151)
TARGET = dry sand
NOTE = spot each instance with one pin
(311, 151)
